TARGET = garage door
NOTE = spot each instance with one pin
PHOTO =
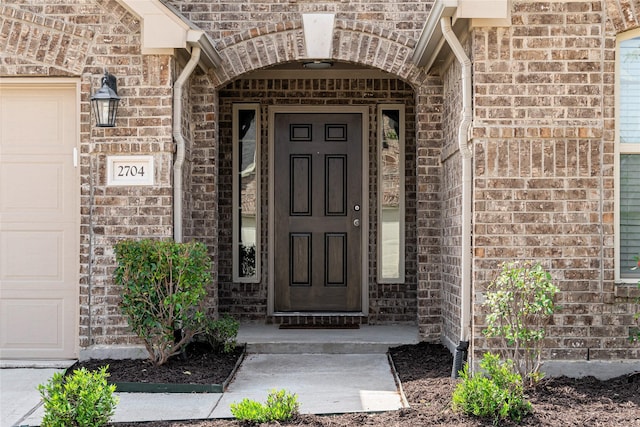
(39, 220)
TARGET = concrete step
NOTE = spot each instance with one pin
(369, 339)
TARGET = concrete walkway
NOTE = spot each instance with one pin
(331, 371)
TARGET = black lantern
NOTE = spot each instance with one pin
(105, 101)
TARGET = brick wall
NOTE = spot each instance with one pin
(544, 167)
(79, 39)
(451, 203)
(543, 147)
(229, 19)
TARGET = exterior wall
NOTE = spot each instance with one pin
(543, 149)
(451, 205)
(544, 178)
(78, 39)
(229, 20)
(200, 199)
(387, 302)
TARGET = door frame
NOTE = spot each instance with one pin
(364, 111)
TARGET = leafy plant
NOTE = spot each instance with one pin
(520, 302)
(280, 406)
(163, 291)
(82, 399)
(221, 333)
(495, 392)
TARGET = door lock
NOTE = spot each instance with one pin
(356, 208)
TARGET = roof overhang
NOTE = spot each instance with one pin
(164, 29)
(464, 14)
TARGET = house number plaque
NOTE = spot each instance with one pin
(130, 170)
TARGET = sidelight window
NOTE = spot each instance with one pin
(246, 193)
(391, 193)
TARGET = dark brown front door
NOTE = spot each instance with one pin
(318, 215)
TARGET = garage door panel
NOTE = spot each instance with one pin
(35, 325)
(17, 132)
(34, 256)
(39, 219)
(32, 193)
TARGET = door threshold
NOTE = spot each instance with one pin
(318, 314)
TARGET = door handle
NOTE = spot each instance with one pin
(356, 222)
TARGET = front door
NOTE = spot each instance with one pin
(318, 215)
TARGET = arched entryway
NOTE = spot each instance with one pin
(265, 68)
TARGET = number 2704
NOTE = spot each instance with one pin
(125, 171)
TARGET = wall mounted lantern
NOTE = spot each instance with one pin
(105, 101)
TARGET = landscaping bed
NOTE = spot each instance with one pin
(198, 369)
(425, 371)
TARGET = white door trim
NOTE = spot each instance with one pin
(364, 110)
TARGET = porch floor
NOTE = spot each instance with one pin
(369, 339)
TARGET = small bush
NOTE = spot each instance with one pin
(520, 302)
(496, 392)
(82, 399)
(163, 291)
(221, 334)
(280, 406)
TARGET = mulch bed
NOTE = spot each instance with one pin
(197, 365)
(425, 371)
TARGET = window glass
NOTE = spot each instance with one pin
(391, 194)
(628, 157)
(629, 75)
(246, 197)
(629, 214)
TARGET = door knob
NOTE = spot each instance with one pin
(356, 222)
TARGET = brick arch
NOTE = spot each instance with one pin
(354, 42)
(41, 45)
(623, 15)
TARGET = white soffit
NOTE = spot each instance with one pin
(464, 13)
(488, 9)
(318, 34)
(164, 29)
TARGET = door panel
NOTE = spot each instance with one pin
(39, 221)
(318, 254)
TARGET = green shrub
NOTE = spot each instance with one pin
(495, 392)
(520, 302)
(221, 333)
(280, 406)
(82, 399)
(163, 291)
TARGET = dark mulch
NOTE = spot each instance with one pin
(425, 371)
(197, 365)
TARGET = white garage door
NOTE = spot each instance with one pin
(39, 220)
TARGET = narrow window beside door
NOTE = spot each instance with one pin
(391, 193)
(246, 193)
